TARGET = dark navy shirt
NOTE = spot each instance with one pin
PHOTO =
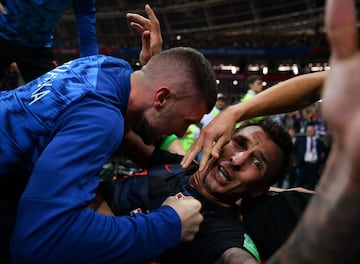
(147, 189)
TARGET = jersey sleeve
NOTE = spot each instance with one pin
(54, 224)
(85, 11)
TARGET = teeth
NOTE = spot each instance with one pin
(223, 175)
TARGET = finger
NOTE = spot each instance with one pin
(145, 53)
(192, 152)
(150, 13)
(193, 203)
(145, 39)
(206, 153)
(153, 19)
(340, 22)
(138, 18)
(139, 28)
(156, 43)
(217, 148)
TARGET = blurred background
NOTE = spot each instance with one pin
(274, 38)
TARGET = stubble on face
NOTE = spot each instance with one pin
(198, 181)
(226, 181)
(153, 125)
(144, 129)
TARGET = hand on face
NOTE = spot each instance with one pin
(149, 29)
(244, 167)
(212, 138)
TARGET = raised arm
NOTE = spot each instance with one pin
(85, 11)
(287, 96)
(151, 39)
(329, 230)
(149, 29)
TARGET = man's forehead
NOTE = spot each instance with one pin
(249, 130)
(258, 136)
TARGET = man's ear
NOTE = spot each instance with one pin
(160, 97)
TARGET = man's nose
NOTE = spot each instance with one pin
(239, 158)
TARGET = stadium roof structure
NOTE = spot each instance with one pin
(261, 33)
(199, 18)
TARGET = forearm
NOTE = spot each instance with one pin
(287, 96)
(236, 256)
(83, 235)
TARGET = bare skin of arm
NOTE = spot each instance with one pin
(286, 96)
(236, 256)
(99, 205)
(329, 230)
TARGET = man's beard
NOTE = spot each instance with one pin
(145, 131)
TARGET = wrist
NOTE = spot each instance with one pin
(236, 112)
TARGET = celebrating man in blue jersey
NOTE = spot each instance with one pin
(58, 130)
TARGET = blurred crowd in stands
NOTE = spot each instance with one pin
(298, 124)
(211, 41)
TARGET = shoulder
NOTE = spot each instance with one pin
(264, 216)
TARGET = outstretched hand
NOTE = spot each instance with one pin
(212, 138)
(149, 29)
